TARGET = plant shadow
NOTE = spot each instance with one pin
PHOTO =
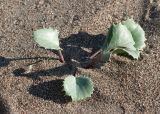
(52, 90)
(73, 47)
(4, 108)
(58, 71)
(6, 61)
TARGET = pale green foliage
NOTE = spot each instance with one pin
(137, 32)
(47, 38)
(78, 87)
(121, 37)
(127, 37)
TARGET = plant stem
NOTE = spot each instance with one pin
(61, 58)
(95, 54)
(88, 62)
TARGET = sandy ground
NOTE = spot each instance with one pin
(122, 86)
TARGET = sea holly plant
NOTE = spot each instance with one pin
(78, 88)
(126, 38)
(48, 39)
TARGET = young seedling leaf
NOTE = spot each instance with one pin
(128, 37)
(137, 32)
(125, 51)
(130, 24)
(108, 38)
(78, 87)
(121, 37)
(47, 38)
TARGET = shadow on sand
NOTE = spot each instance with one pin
(6, 61)
(73, 47)
(52, 90)
(4, 109)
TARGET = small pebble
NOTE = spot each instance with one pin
(41, 2)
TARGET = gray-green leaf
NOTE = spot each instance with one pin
(137, 32)
(128, 37)
(78, 87)
(47, 38)
(121, 37)
(134, 53)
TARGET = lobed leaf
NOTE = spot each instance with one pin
(137, 32)
(47, 38)
(121, 37)
(128, 37)
(125, 51)
(78, 87)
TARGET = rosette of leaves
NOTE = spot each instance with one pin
(78, 88)
(126, 38)
(48, 39)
